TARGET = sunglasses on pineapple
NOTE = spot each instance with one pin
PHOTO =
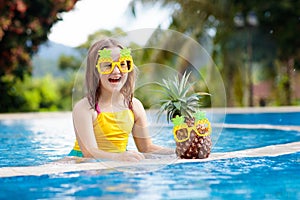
(182, 132)
(106, 65)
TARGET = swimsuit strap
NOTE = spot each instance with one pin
(97, 108)
(130, 106)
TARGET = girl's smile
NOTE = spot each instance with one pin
(115, 79)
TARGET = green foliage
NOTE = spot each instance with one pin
(39, 94)
(11, 98)
(99, 35)
(147, 94)
(274, 39)
(32, 100)
(35, 94)
(69, 62)
(23, 26)
(176, 100)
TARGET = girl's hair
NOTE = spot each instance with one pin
(92, 77)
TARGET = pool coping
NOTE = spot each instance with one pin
(61, 167)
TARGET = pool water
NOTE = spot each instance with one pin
(280, 118)
(39, 141)
(23, 143)
(27, 142)
(234, 139)
(236, 178)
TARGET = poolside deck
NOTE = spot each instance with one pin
(86, 164)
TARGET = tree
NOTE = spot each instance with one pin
(278, 29)
(24, 25)
(196, 19)
(280, 20)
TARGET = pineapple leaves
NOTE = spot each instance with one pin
(199, 115)
(124, 53)
(178, 120)
(104, 53)
(176, 100)
(177, 105)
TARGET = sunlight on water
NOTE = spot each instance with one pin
(236, 178)
(38, 141)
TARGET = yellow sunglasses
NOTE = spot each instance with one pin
(183, 132)
(106, 65)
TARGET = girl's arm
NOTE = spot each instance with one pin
(140, 132)
(83, 117)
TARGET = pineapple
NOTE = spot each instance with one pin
(191, 127)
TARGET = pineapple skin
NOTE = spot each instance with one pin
(196, 147)
(177, 102)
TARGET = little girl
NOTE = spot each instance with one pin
(107, 115)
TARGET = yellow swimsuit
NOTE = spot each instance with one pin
(111, 131)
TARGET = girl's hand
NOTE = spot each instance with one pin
(128, 156)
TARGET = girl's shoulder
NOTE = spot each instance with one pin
(82, 106)
(137, 106)
(136, 103)
(139, 112)
(82, 111)
(82, 103)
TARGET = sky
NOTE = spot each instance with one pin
(89, 16)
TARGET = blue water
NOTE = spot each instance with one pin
(236, 178)
(289, 118)
(40, 141)
(24, 145)
(240, 139)
(34, 142)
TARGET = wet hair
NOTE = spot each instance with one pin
(92, 76)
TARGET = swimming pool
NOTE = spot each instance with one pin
(275, 118)
(246, 163)
(236, 178)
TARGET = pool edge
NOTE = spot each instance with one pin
(55, 168)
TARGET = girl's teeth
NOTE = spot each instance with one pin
(114, 80)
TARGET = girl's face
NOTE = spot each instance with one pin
(115, 80)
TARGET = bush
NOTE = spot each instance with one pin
(35, 94)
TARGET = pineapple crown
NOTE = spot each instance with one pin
(179, 120)
(105, 54)
(177, 101)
